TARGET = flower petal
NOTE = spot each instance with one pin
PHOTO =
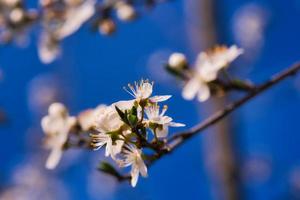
(116, 149)
(108, 148)
(145, 90)
(134, 175)
(163, 132)
(208, 73)
(54, 158)
(142, 168)
(124, 105)
(190, 89)
(45, 124)
(203, 93)
(161, 98)
(76, 17)
(174, 124)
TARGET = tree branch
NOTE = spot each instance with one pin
(180, 138)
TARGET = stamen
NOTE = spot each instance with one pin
(129, 92)
(165, 108)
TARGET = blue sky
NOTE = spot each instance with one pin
(94, 68)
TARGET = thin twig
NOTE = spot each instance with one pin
(180, 138)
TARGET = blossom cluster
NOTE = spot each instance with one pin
(124, 128)
(15, 19)
(60, 18)
(198, 80)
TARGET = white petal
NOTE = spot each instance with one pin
(124, 105)
(45, 124)
(233, 52)
(71, 122)
(208, 73)
(53, 158)
(162, 133)
(160, 98)
(201, 60)
(108, 149)
(116, 149)
(134, 175)
(142, 167)
(190, 89)
(76, 17)
(203, 92)
(166, 119)
(174, 124)
(145, 90)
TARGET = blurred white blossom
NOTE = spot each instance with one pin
(208, 65)
(42, 91)
(60, 23)
(249, 23)
(29, 182)
(48, 48)
(75, 16)
(56, 125)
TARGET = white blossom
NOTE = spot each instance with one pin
(133, 157)
(75, 17)
(143, 90)
(208, 65)
(56, 125)
(155, 117)
(107, 122)
(100, 139)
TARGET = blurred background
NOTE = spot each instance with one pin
(253, 154)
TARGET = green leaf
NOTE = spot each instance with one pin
(133, 110)
(133, 120)
(123, 115)
(120, 112)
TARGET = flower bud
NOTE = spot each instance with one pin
(57, 109)
(125, 12)
(16, 15)
(107, 26)
(177, 61)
